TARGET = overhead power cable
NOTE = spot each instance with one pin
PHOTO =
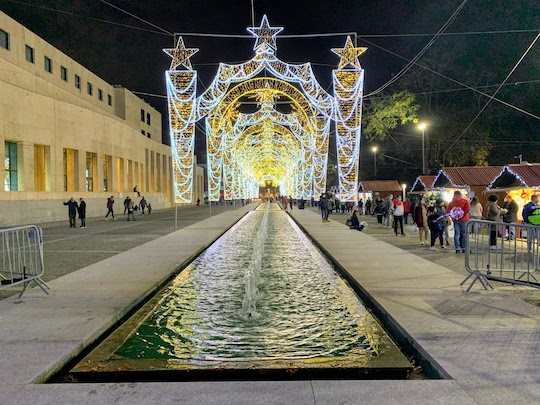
(407, 67)
(493, 95)
(454, 80)
(136, 17)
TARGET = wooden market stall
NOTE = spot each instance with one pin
(422, 185)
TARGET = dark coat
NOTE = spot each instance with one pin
(72, 207)
(82, 210)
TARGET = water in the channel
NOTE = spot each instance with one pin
(231, 304)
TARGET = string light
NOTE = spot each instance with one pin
(244, 151)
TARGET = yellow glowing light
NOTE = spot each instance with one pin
(349, 54)
(180, 54)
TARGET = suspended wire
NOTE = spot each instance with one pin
(252, 14)
(86, 17)
(134, 16)
(454, 80)
(407, 67)
(493, 95)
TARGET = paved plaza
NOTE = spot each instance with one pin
(484, 344)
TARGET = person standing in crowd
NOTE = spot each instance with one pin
(434, 219)
(323, 203)
(72, 211)
(388, 209)
(143, 205)
(420, 219)
(511, 216)
(493, 213)
(379, 210)
(110, 210)
(531, 216)
(477, 212)
(368, 206)
(131, 209)
(360, 206)
(399, 211)
(126, 205)
(460, 224)
(82, 212)
(445, 221)
(406, 210)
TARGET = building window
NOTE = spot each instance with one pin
(142, 115)
(109, 99)
(4, 39)
(30, 57)
(100, 94)
(78, 82)
(89, 88)
(143, 132)
(64, 73)
(107, 170)
(48, 64)
(71, 172)
(148, 135)
(90, 168)
(148, 118)
(11, 167)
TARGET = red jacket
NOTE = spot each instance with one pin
(463, 203)
(407, 206)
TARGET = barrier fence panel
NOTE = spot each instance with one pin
(21, 257)
(495, 252)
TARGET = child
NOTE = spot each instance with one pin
(435, 227)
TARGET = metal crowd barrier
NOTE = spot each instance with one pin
(21, 258)
(495, 252)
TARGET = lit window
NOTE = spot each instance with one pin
(11, 181)
(89, 88)
(78, 82)
(48, 64)
(64, 73)
(4, 39)
(30, 57)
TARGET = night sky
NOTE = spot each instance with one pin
(133, 58)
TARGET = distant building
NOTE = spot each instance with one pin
(68, 133)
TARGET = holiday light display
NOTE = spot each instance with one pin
(289, 149)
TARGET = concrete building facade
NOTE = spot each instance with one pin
(67, 132)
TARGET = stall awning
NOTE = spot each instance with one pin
(380, 186)
(422, 184)
(466, 176)
(517, 176)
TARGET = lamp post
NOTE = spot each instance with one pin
(374, 150)
(422, 127)
(403, 186)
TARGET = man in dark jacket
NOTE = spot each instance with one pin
(511, 215)
(82, 212)
(72, 211)
(323, 203)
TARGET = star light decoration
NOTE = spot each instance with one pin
(180, 55)
(349, 54)
(265, 36)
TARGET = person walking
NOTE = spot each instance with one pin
(82, 212)
(368, 206)
(406, 210)
(323, 203)
(131, 209)
(399, 211)
(199, 202)
(110, 210)
(290, 202)
(434, 219)
(126, 205)
(460, 223)
(493, 213)
(72, 211)
(379, 210)
(511, 216)
(388, 210)
(445, 220)
(531, 216)
(420, 219)
(143, 205)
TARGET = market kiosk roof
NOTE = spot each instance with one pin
(379, 185)
(466, 176)
(517, 176)
(422, 184)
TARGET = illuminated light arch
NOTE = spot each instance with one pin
(309, 122)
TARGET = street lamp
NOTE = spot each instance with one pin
(374, 150)
(422, 127)
(403, 186)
